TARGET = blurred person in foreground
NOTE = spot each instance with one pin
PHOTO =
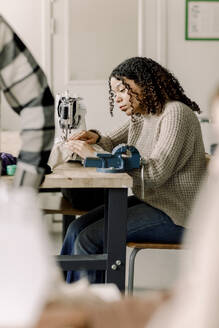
(26, 90)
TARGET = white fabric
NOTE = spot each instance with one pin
(29, 276)
(26, 266)
(61, 154)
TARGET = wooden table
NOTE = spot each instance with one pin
(74, 175)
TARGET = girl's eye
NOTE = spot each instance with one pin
(114, 94)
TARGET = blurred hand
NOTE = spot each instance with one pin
(129, 312)
(88, 136)
(82, 148)
(62, 315)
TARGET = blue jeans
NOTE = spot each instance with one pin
(144, 224)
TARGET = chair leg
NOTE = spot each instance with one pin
(66, 221)
(131, 270)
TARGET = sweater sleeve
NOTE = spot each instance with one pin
(115, 137)
(174, 146)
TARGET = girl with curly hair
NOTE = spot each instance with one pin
(163, 126)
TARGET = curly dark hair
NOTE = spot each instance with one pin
(158, 85)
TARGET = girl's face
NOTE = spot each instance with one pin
(122, 98)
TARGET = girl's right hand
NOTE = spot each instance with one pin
(88, 136)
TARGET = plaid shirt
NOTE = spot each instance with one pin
(26, 90)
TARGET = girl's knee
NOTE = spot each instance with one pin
(86, 243)
(80, 245)
(74, 229)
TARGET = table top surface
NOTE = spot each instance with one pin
(74, 175)
(68, 175)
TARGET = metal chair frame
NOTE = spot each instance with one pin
(140, 246)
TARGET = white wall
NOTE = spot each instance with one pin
(194, 63)
(25, 16)
(94, 38)
(67, 49)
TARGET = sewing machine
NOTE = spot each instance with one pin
(70, 113)
(123, 158)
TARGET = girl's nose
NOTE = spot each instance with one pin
(118, 99)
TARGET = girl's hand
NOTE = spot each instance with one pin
(88, 136)
(82, 148)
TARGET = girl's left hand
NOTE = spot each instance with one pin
(82, 148)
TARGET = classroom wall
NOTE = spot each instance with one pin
(193, 62)
(21, 14)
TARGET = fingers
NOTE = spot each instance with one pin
(75, 145)
(91, 141)
(79, 136)
(81, 148)
(88, 136)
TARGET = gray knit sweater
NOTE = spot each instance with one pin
(171, 145)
